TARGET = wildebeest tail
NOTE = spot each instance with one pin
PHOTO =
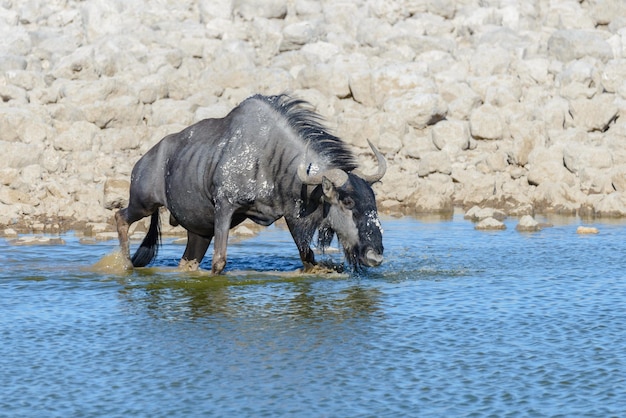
(149, 246)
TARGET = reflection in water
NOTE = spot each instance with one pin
(298, 297)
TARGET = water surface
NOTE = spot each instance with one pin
(456, 322)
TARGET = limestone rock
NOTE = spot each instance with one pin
(594, 114)
(528, 224)
(490, 224)
(586, 230)
(418, 109)
(485, 123)
(477, 214)
(570, 44)
(270, 9)
(116, 193)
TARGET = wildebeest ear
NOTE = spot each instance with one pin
(329, 190)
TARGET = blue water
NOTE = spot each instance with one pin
(456, 322)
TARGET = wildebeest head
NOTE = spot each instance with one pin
(350, 211)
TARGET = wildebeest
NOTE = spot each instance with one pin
(270, 157)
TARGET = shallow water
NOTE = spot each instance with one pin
(456, 322)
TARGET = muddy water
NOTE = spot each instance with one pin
(456, 322)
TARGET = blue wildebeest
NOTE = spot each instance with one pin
(269, 157)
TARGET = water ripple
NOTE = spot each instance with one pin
(456, 322)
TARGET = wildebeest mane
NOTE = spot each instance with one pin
(308, 125)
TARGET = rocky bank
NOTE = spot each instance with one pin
(514, 105)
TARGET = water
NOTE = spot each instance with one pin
(456, 322)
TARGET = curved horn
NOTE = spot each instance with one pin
(382, 167)
(336, 176)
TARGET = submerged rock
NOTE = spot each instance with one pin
(587, 230)
(528, 224)
(489, 224)
(37, 240)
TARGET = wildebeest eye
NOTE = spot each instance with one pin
(348, 202)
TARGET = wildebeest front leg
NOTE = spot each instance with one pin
(302, 234)
(194, 252)
(223, 218)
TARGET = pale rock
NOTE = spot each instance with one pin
(360, 84)
(489, 60)
(611, 205)
(535, 68)
(528, 224)
(169, 111)
(586, 230)
(461, 99)
(604, 12)
(115, 112)
(477, 214)
(8, 175)
(212, 9)
(451, 136)
(13, 94)
(10, 233)
(15, 41)
(432, 196)
(116, 193)
(327, 78)
(497, 161)
(12, 63)
(418, 109)
(594, 114)
(395, 80)
(52, 160)
(389, 143)
(10, 196)
(578, 157)
(32, 175)
(19, 155)
(618, 178)
(342, 18)
(503, 90)
(151, 88)
(417, 143)
(486, 123)
(322, 51)
(472, 187)
(570, 44)
(613, 75)
(579, 79)
(553, 197)
(545, 165)
(298, 34)
(12, 123)
(121, 139)
(214, 111)
(79, 65)
(308, 8)
(374, 33)
(555, 113)
(490, 224)
(269, 9)
(79, 137)
(526, 135)
(36, 240)
(434, 162)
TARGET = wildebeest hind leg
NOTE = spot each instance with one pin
(194, 252)
(122, 234)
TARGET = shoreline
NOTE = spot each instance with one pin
(93, 233)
